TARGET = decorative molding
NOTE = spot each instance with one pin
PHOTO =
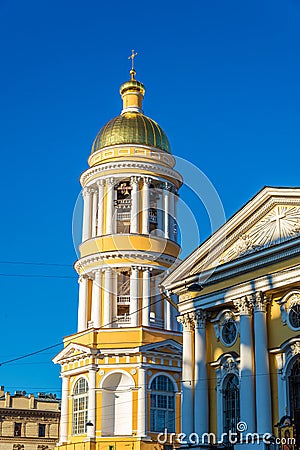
(199, 318)
(286, 302)
(244, 305)
(83, 263)
(126, 166)
(209, 253)
(187, 321)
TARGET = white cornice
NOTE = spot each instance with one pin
(130, 168)
(277, 280)
(223, 238)
(85, 262)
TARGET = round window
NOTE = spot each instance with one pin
(229, 332)
(294, 316)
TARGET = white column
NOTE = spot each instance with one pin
(134, 223)
(146, 297)
(175, 225)
(100, 207)
(82, 303)
(146, 205)
(160, 213)
(94, 212)
(247, 396)
(92, 404)
(171, 215)
(86, 224)
(134, 292)
(96, 300)
(201, 411)
(110, 208)
(187, 407)
(167, 315)
(114, 296)
(107, 307)
(166, 211)
(262, 373)
(142, 402)
(64, 416)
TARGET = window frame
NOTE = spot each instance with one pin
(162, 404)
(80, 407)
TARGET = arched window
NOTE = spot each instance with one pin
(231, 403)
(294, 389)
(162, 407)
(80, 406)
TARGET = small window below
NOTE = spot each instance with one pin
(42, 430)
(18, 429)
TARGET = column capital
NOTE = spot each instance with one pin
(87, 191)
(186, 321)
(147, 269)
(147, 181)
(134, 180)
(101, 183)
(199, 318)
(260, 302)
(83, 277)
(244, 305)
(110, 181)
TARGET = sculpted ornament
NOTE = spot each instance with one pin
(295, 348)
(186, 320)
(244, 305)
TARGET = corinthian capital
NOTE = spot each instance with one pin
(244, 305)
(199, 318)
(260, 302)
(134, 180)
(86, 191)
(186, 321)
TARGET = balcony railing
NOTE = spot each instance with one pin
(123, 319)
(123, 216)
(123, 299)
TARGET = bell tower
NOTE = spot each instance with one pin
(121, 370)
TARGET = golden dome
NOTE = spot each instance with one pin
(132, 126)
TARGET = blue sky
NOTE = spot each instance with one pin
(222, 79)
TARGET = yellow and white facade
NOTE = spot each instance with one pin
(121, 370)
(241, 332)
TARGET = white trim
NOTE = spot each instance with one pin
(250, 213)
(166, 375)
(279, 279)
(108, 374)
(129, 168)
(74, 382)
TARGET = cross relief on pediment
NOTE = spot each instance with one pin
(280, 224)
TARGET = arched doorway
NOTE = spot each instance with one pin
(294, 391)
(117, 404)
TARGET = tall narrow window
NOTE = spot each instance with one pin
(231, 403)
(294, 389)
(162, 409)
(80, 406)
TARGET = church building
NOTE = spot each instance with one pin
(241, 341)
(121, 369)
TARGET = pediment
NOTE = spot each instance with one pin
(270, 218)
(168, 346)
(73, 351)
